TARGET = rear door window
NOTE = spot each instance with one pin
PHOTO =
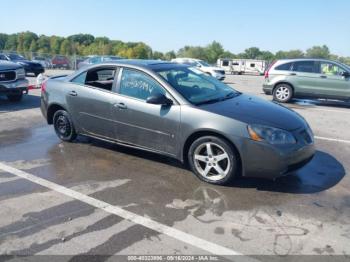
(102, 78)
(304, 66)
(284, 67)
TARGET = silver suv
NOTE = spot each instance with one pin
(307, 78)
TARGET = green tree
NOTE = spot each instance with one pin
(11, 43)
(266, 55)
(193, 52)
(318, 52)
(169, 55)
(252, 53)
(289, 54)
(3, 40)
(214, 51)
(33, 46)
(158, 55)
(55, 44)
(227, 54)
(43, 44)
(66, 47)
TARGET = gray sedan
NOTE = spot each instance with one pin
(178, 111)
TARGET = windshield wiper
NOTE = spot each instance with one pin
(215, 100)
(231, 95)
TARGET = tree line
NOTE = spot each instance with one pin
(86, 44)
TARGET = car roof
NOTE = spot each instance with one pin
(304, 59)
(149, 64)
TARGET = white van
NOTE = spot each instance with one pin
(242, 66)
(216, 72)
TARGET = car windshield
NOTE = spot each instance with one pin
(109, 58)
(346, 66)
(16, 57)
(197, 87)
(203, 63)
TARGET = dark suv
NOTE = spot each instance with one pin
(29, 66)
(12, 81)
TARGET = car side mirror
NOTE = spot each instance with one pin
(346, 74)
(159, 99)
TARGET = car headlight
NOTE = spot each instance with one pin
(20, 73)
(272, 135)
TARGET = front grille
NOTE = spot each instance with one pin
(306, 136)
(7, 76)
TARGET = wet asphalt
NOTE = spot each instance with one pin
(306, 213)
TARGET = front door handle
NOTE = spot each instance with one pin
(323, 76)
(120, 106)
(292, 74)
(73, 93)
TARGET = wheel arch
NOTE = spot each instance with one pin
(52, 109)
(200, 133)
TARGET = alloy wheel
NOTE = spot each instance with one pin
(282, 93)
(212, 161)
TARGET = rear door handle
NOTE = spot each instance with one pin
(292, 74)
(120, 106)
(73, 93)
(323, 76)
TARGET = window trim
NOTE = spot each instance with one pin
(120, 73)
(314, 67)
(117, 69)
(329, 62)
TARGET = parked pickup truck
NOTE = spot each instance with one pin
(12, 81)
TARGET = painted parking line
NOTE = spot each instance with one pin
(137, 219)
(333, 139)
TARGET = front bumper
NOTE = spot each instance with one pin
(267, 88)
(14, 87)
(219, 77)
(263, 160)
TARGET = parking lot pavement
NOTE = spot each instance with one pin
(172, 212)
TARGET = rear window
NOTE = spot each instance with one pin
(284, 67)
(304, 66)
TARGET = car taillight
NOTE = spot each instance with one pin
(43, 87)
(268, 69)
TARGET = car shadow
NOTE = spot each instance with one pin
(322, 173)
(305, 103)
(28, 102)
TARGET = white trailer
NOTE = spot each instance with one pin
(242, 66)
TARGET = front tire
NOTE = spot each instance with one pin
(213, 160)
(283, 93)
(64, 127)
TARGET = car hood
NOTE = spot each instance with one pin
(6, 65)
(254, 110)
(213, 68)
(27, 62)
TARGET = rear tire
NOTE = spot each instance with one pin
(283, 93)
(64, 127)
(213, 160)
(15, 98)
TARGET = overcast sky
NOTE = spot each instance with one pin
(170, 24)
